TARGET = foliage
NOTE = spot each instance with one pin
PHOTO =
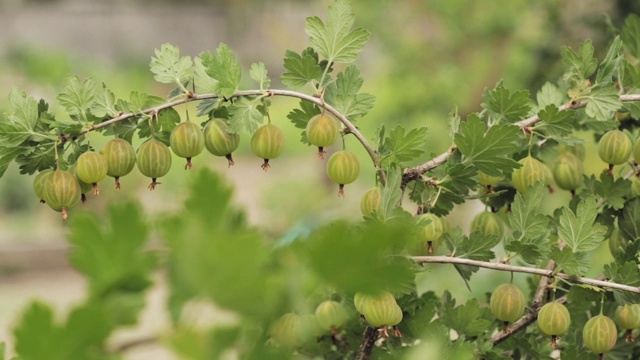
(216, 258)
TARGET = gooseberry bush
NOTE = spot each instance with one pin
(346, 290)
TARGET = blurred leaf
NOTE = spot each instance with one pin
(505, 106)
(18, 126)
(603, 102)
(246, 115)
(549, 94)
(113, 257)
(343, 94)
(214, 254)
(579, 231)
(372, 248)
(37, 337)
(629, 221)
(335, 40)
(7, 155)
(300, 69)
(631, 35)
(490, 151)
(77, 98)
(105, 103)
(613, 192)
(258, 72)
(569, 262)
(169, 67)
(465, 319)
(405, 146)
(611, 63)
(224, 68)
(391, 194)
(581, 64)
(556, 123)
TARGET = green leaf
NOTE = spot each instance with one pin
(613, 192)
(343, 94)
(611, 63)
(204, 83)
(526, 221)
(77, 97)
(372, 248)
(19, 125)
(631, 35)
(467, 319)
(300, 117)
(629, 221)
(476, 246)
(36, 158)
(556, 123)
(569, 262)
(391, 194)
(624, 273)
(300, 69)
(224, 68)
(603, 102)
(232, 268)
(246, 115)
(105, 103)
(490, 151)
(582, 63)
(505, 106)
(169, 67)
(112, 255)
(37, 337)
(335, 40)
(258, 72)
(7, 155)
(530, 252)
(579, 231)
(549, 94)
(405, 146)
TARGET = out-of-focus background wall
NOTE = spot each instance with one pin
(424, 57)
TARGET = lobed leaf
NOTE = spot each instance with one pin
(224, 68)
(77, 97)
(505, 106)
(603, 102)
(169, 67)
(580, 231)
(300, 69)
(631, 35)
(246, 115)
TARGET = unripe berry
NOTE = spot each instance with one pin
(322, 131)
(488, 180)
(38, 183)
(432, 230)
(371, 201)
(635, 186)
(614, 148)
(360, 299)
(284, 330)
(379, 310)
(85, 188)
(120, 157)
(187, 141)
(599, 334)
(219, 141)
(487, 223)
(91, 168)
(343, 168)
(154, 160)
(267, 143)
(568, 171)
(507, 303)
(628, 318)
(636, 151)
(530, 173)
(554, 320)
(61, 191)
(331, 315)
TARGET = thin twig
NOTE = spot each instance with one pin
(526, 270)
(151, 339)
(369, 338)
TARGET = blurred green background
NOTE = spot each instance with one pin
(423, 58)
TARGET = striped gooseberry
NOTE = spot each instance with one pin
(487, 223)
(431, 229)
(627, 316)
(331, 315)
(38, 183)
(284, 330)
(568, 171)
(554, 320)
(343, 168)
(380, 310)
(614, 148)
(322, 130)
(91, 168)
(153, 160)
(187, 141)
(531, 172)
(61, 191)
(371, 201)
(121, 158)
(507, 303)
(599, 334)
(267, 143)
(85, 188)
(219, 141)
